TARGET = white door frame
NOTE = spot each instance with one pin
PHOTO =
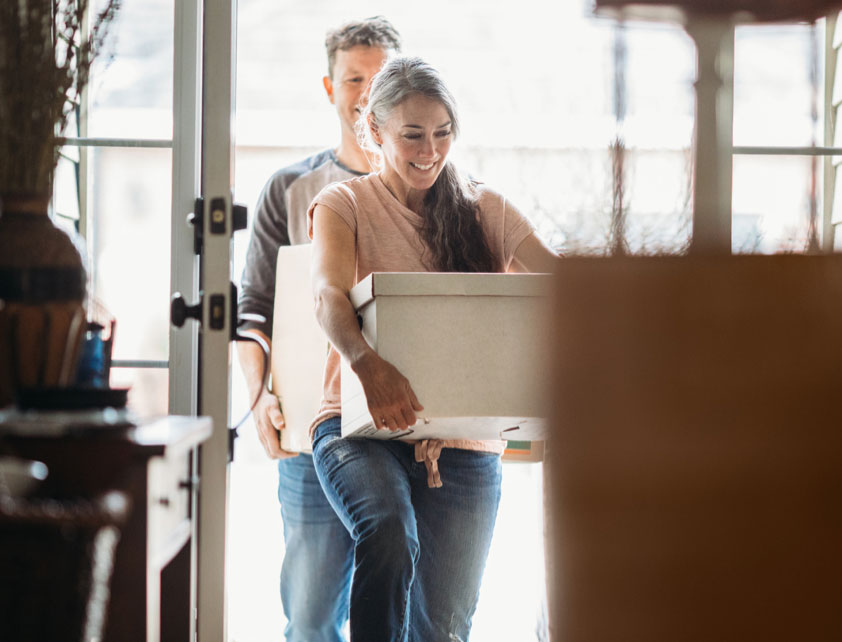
(203, 164)
(214, 373)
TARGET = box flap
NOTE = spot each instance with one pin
(362, 292)
(448, 284)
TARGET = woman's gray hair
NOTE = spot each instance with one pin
(396, 81)
(453, 235)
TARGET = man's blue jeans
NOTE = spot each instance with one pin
(419, 552)
(316, 570)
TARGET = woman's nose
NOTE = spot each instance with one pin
(428, 148)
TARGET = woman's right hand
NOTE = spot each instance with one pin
(391, 400)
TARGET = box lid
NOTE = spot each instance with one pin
(379, 284)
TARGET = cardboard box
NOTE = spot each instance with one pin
(299, 348)
(472, 346)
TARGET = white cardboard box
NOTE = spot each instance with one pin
(473, 346)
(299, 348)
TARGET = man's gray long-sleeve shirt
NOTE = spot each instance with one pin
(281, 219)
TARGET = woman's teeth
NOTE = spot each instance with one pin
(422, 167)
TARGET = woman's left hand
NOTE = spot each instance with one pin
(532, 255)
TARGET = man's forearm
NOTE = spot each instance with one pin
(251, 362)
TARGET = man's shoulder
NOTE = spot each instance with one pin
(321, 168)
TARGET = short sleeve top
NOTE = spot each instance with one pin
(387, 240)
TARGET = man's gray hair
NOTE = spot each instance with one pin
(371, 32)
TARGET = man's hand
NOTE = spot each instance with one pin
(270, 422)
(267, 412)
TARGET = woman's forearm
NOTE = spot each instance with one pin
(389, 396)
(335, 313)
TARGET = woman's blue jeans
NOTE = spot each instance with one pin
(419, 552)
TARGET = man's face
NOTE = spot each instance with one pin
(353, 69)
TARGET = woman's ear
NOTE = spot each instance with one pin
(374, 129)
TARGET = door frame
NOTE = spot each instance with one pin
(199, 365)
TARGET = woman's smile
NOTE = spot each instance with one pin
(419, 128)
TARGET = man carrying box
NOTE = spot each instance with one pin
(316, 570)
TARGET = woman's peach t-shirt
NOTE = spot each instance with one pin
(387, 238)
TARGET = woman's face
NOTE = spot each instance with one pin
(415, 141)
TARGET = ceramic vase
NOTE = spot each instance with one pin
(42, 298)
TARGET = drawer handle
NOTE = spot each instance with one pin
(164, 501)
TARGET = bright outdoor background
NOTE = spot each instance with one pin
(543, 88)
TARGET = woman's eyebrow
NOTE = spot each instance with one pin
(411, 126)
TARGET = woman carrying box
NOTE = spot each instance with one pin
(421, 515)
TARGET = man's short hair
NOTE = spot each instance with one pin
(371, 32)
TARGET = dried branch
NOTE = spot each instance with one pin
(45, 65)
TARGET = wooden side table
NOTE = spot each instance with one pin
(153, 585)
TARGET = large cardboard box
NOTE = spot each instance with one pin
(472, 346)
(299, 348)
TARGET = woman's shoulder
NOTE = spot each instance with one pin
(488, 198)
(348, 186)
(350, 190)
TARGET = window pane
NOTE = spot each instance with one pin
(131, 85)
(574, 214)
(131, 247)
(771, 203)
(660, 103)
(148, 389)
(65, 192)
(657, 201)
(772, 85)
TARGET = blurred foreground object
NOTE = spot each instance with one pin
(57, 558)
(694, 472)
(42, 299)
(741, 10)
(47, 48)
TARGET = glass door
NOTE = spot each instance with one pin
(141, 151)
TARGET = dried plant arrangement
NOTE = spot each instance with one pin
(45, 61)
